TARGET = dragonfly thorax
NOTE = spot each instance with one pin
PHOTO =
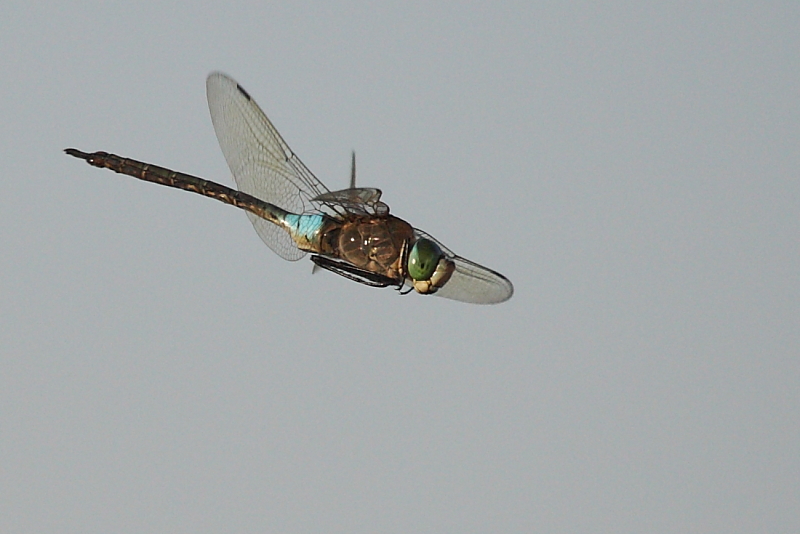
(375, 244)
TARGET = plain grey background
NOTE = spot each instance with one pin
(633, 170)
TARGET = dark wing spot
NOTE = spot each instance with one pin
(241, 90)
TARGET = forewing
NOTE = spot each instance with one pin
(262, 163)
(361, 200)
(472, 282)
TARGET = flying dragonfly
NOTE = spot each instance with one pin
(349, 232)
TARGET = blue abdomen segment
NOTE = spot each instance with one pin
(305, 230)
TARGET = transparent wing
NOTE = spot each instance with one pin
(262, 163)
(472, 282)
(361, 200)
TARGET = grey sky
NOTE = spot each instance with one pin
(633, 170)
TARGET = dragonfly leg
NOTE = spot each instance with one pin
(351, 272)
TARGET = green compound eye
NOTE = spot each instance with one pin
(423, 259)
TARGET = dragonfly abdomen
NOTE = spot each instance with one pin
(307, 230)
(187, 182)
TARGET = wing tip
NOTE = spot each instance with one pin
(244, 93)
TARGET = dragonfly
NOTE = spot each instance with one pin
(349, 232)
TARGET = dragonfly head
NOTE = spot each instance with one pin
(428, 267)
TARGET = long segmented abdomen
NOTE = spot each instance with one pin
(187, 182)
